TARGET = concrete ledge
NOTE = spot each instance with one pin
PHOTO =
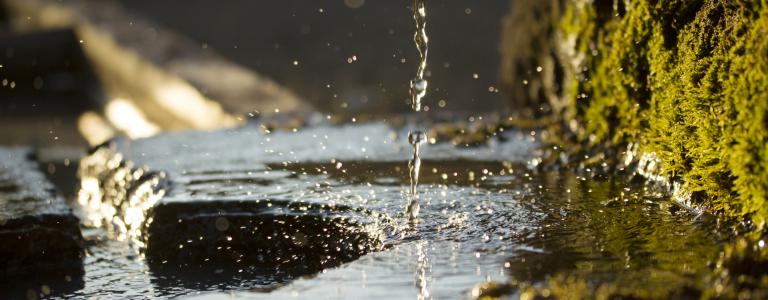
(172, 81)
(37, 228)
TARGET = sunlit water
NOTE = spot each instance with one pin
(484, 216)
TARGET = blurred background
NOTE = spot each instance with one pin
(77, 72)
(363, 49)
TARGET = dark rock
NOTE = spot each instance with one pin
(37, 228)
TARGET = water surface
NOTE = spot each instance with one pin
(485, 216)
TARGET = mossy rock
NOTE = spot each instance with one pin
(685, 80)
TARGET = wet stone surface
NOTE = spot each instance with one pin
(250, 213)
(246, 214)
(223, 213)
(37, 230)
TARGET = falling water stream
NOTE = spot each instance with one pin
(417, 138)
(418, 90)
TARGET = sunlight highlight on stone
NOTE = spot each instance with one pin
(94, 128)
(128, 118)
(187, 103)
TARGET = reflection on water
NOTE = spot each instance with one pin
(423, 270)
(612, 237)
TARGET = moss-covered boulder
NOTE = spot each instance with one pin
(683, 80)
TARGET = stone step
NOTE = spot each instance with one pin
(184, 214)
(38, 230)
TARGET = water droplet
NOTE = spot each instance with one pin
(222, 224)
(419, 84)
(418, 91)
(417, 137)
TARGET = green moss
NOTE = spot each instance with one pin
(686, 80)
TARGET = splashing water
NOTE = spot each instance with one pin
(418, 91)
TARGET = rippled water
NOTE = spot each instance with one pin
(484, 216)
